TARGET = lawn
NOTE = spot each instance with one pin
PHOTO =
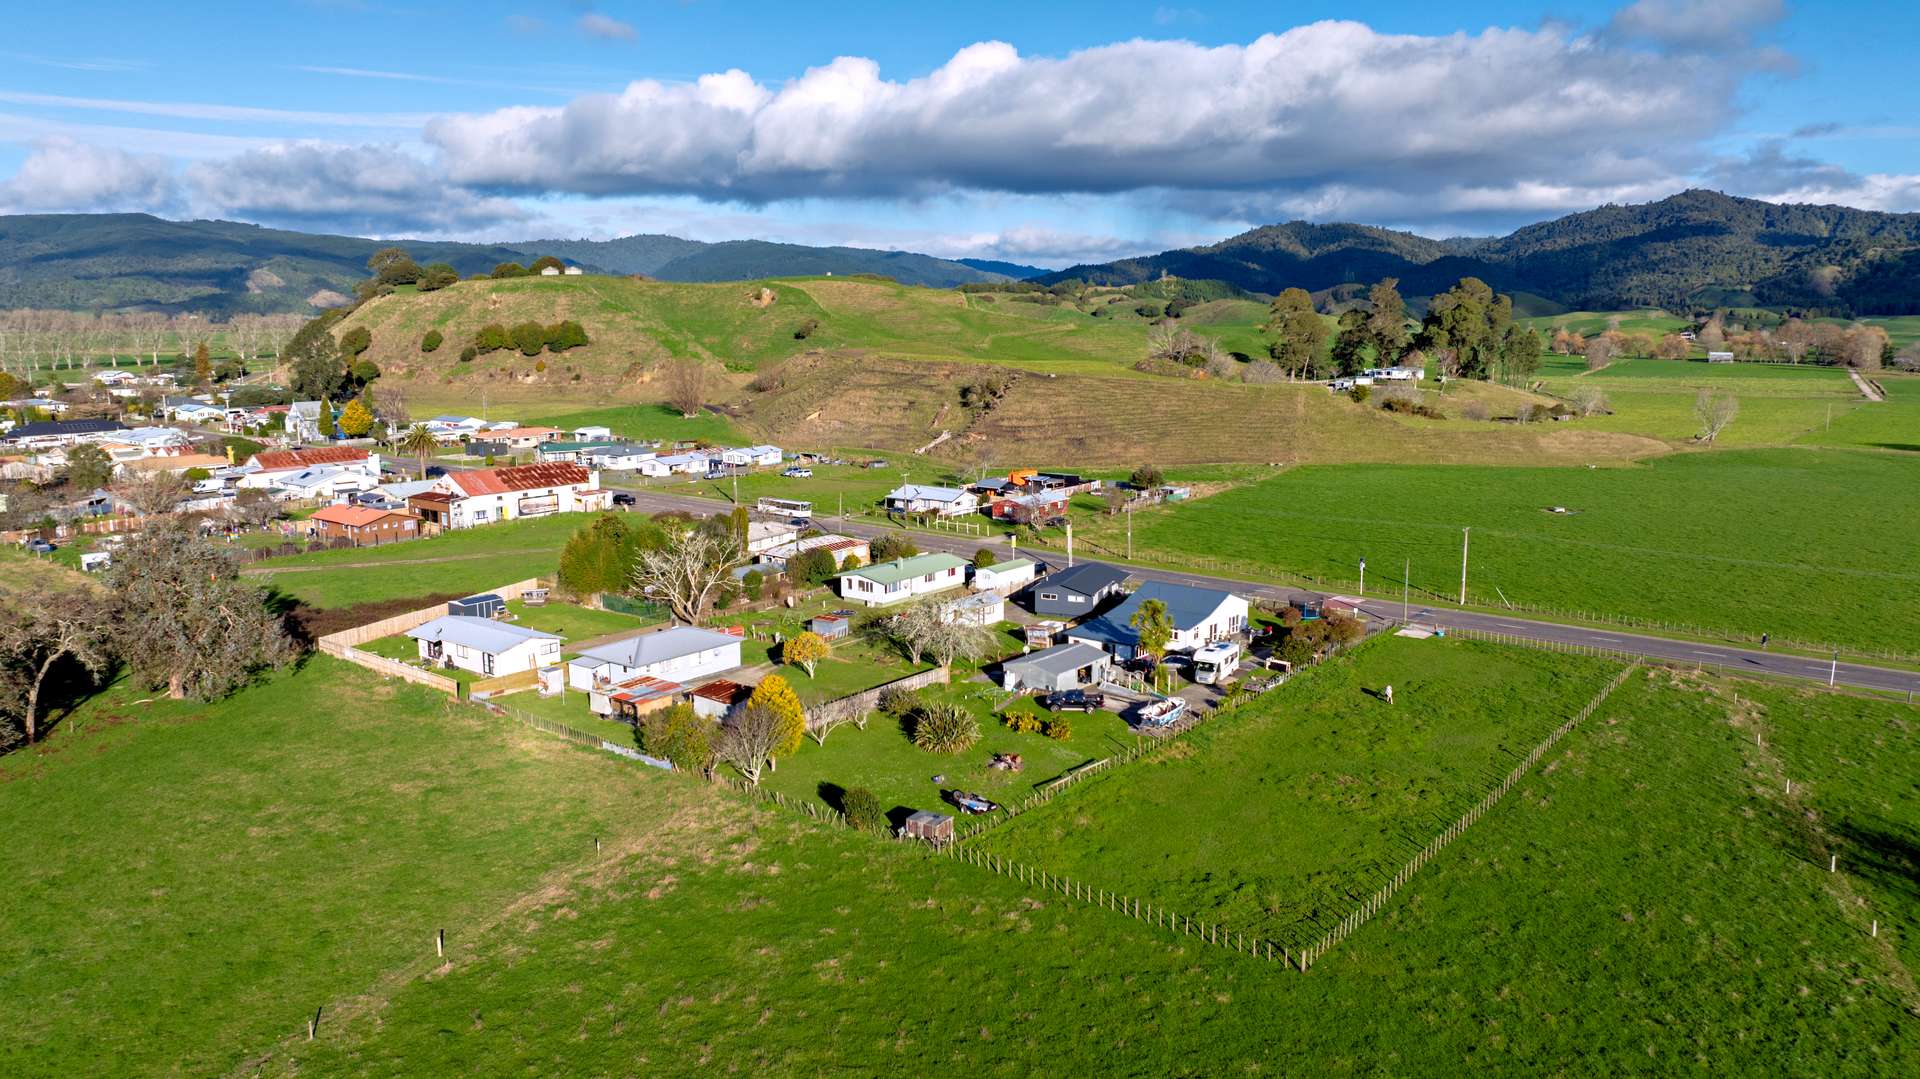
(855, 665)
(198, 878)
(1779, 403)
(651, 421)
(882, 757)
(1274, 818)
(469, 559)
(1823, 549)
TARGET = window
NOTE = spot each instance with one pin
(1076, 599)
(1049, 595)
(486, 662)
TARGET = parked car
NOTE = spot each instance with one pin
(40, 546)
(969, 802)
(1073, 700)
(798, 472)
(622, 498)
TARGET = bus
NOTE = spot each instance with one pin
(792, 509)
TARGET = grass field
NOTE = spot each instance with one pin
(471, 559)
(1655, 541)
(1295, 806)
(1646, 900)
(1779, 403)
(1589, 323)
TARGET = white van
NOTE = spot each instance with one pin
(1216, 662)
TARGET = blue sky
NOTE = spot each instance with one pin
(1047, 133)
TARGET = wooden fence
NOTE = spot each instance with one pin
(393, 668)
(504, 684)
(1371, 906)
(335, 644)
(858, 704)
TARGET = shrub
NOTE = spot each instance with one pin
(945, 727)
(431, 341)
(539, 365)
(898, 703)
(1024, 723)
(562, 336)
(678, 735)
(356, 341)
(863, 810)
(1059, 729)
(805, 329)
(528, 337)
(491, 338)
(509, 269)
(1359, 394)
(753, 583)
(467, 354)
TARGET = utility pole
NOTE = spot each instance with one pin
(1464, 537)
(1406, 589)
(1833, 671)
(1363, 575)
(1129, 532)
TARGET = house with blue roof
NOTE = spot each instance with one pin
(1200, 616)
(485, 646)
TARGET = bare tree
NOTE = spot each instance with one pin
(686, 386)
(1264, 373)
(1715, 409)
(748, 740)
(254, 507)
(187, 621)
(953, 640)
(46, 627)
(824, 719)
(687, 570)
(912, 629)
(1588, 400)
(1600, 352)
(151, 493)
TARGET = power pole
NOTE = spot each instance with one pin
(1129, 532)
(1833, 672)
(1363, 577)
(1464, 536)
(1406, 589)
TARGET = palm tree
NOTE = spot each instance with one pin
(1156, 632)
(419, 442)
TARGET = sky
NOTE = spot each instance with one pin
(1043, 133)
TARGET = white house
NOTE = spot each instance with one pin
(303, 421)
(752, 456)
(549, 271)
(1199, 617)
(269, 467)
(679, 654)
(690, 463)
(1004, 578)
(616, 458)
(920, 498)
(592, 433)
(484, 495)
(323, 483)
(188, 410)
(485, 646)
(902, 579)
(114, 378)
(764, 536)
(978, 609)
(574, 271)
(138, 442)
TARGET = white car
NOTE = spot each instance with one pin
(798, 473)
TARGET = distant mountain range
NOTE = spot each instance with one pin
(1697, 249)
(125, 261)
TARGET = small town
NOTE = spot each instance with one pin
(631, 539)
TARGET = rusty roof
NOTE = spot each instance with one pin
(275, 460)
(496, 481)
(352, 516)
(724, 690)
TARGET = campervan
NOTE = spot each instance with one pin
(1216, 662)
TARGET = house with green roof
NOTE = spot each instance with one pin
(902, 579)
(1005, 578)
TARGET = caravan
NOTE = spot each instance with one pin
(1216, 662)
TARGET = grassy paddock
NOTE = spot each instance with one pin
(1292, 807)
(1654, 541)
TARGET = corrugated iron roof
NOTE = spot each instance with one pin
(275, 460)
(351, 516)
(497, 481)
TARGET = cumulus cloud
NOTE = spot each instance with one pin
(65, 176)
(1711, 25)
(605, 27)
(1771, 172)
(380, 190)
(1321, 108)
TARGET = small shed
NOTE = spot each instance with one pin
(1044, 634)
(484, 605)
(935, 828)
(833, 625)
(95, 561)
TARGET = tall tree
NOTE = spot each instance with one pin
(1350, 342)
(88, 466)
(1387, 322)
(1155, 629)
(187, 621)
(151, 493)
(748, 739)
(202, 365)
(420, 444)
(686, 570)
(1295, 332)
(356, 419)
(776, 695)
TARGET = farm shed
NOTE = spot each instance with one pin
(832, 625)
(718, 698)
(484, 605)
(933, 827)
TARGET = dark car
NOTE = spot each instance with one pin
(622, 498)
(1072, 700)
(41, 546)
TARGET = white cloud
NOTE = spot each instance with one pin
(1697, 24)
(63, 176)
(183, 110)
(1316, 110)
(371, 190)
(605, 27)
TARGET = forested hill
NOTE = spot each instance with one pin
(127, 261)
(1694, 249)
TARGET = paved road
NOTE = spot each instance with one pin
(1733, 659)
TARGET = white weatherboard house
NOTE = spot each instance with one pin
(903, 579)
(1004, 578)
(680, 654)
(764, 536)
(944, 501)
(484, 646)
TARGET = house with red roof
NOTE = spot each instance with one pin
(364, 526)
(270, 467)
(484, 495)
